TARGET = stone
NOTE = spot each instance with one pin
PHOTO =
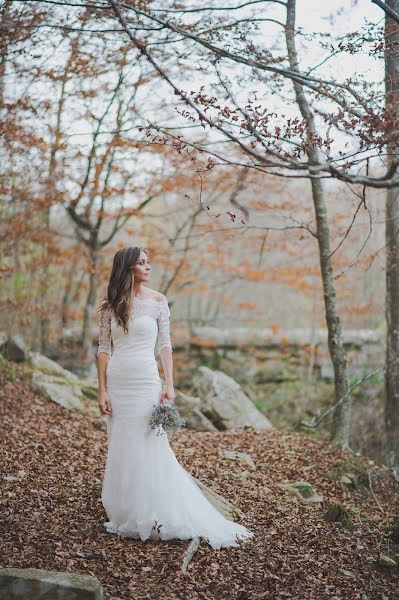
(57, 390)
(89, 388)
(304, 491)
(50, 367)
(347, 573)
(275, 371)
(386, 561)
(224, 403)
(15, 348)
(35, 584)
(58, 384)
(189, 409)
(237, 337)
(347, 481)
(242, 457)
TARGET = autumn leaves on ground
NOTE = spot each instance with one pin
(52, 517)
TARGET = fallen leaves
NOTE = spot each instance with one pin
(52, 516)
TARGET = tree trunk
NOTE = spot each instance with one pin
(340, 429)
(51, 190)
(67, 297)
(392, 245)
(89, 309)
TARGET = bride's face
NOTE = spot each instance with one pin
(141, 270)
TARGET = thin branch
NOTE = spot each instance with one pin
(316, 420)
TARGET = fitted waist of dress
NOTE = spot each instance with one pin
(134, 356)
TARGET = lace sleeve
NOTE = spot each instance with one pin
(104, 340)
(164, 326)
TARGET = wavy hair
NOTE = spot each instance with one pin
(120, 284)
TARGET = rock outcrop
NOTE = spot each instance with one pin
(224, 403)
(55, 382)
(21, 584)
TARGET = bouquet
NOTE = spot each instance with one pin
(165, 417)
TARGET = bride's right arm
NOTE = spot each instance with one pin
(103, 353)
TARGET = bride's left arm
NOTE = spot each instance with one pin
(165, 350)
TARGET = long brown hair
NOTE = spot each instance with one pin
(120, 284)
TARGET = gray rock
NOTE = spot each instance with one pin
(234, 337)
(347, 573)
(275, 371)
(89, 387)
(58, 390)
(15, 348)
(50, 367)
(35, 584)
(304, 491)
(58, 384)
(224, 403)
(189, 408)
(346, 480)
(242, 457)
(386, 561)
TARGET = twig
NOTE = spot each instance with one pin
(372, 491)
(317, 419)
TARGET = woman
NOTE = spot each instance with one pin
(146, 493)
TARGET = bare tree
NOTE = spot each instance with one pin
(392, 241)
(340, 432)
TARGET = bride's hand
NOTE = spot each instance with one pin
(104, 404)
(168, 394)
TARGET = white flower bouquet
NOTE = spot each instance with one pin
(166, 418)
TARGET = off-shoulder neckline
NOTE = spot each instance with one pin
(147, 299)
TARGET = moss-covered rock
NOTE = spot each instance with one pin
(304, 491)
(32, 584)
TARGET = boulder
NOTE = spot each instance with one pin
(275, 371)
(58, 390)
(189, 408)
(50, 367)
(14, 348)
(21, 584)
(224, 403)
(56, 383)
(304, 491)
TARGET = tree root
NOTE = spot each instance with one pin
(193, 547)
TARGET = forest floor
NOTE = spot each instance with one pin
(52, 517)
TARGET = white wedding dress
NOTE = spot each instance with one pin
(146, 493)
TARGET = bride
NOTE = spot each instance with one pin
(146, 493)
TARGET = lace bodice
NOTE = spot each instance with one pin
(156, 309)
